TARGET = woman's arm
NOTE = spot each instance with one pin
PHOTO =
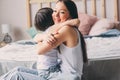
(64, 35)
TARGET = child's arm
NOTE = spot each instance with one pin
(39, 37)
(72, 23)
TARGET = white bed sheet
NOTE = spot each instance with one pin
(97, 47)
(18, 52)
(15, 54)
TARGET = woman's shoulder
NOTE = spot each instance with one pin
(68, 31)
(70, 35)
(67, 28)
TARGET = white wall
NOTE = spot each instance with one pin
(13, 12)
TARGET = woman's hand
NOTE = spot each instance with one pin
(51, 40)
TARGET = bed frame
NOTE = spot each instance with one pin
(93, 4)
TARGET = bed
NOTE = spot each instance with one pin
(103, 47)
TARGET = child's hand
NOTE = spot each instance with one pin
(38, 38)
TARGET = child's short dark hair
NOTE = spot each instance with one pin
(43, 18)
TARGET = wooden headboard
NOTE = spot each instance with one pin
(28, 8)
(84, 6)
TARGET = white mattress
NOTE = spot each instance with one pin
(97, 47)
(103, 48)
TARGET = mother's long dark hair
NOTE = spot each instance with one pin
(71, 6)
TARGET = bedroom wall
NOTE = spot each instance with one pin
(109, 6)
(13, 12)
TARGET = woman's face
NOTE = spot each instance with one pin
(60, 13)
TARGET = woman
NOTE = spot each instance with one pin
(72, 45)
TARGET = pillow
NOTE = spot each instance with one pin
(32, 32)
(101, 26)
(86, 21)
(117, 25)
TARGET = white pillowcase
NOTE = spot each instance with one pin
(101, 26)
